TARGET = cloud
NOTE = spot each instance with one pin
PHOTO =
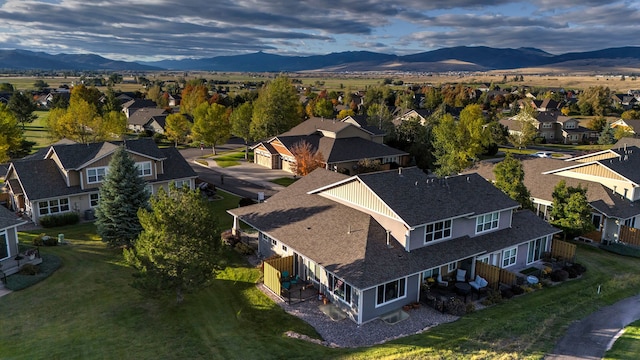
(154, 29)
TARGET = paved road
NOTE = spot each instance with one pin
(246, 179)
(591, 337)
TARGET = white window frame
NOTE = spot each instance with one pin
(483, 259)
(487, 222)
(532, 256)
(3, 234)
(96, 175)
(143, 169)
(285, 248)
(452, 266)
(440, 230)
(340, 289)
(54, 204)
(180, 183)
(312, 271)
(401, 287)
(509, 257)
(94, 199)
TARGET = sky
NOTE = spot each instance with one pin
(148, 30)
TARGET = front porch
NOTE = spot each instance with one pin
(27, 255)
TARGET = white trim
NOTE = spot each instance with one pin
(97, 175)
(490, 222)
(514, 256)
(385, 303)
(141, 167)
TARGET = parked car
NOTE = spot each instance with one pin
(542, 154)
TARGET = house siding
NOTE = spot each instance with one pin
(599, 174)
(355, 193)
(371, 312)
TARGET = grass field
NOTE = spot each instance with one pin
(628, 345)
(228, 159)
(284, 181)
(86, 309)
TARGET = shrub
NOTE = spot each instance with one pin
(471, 307)
(29, 269)
(517, 290)
(493, 297)
(244, 249)
(571, 271)
(245, 201)
(579, 268)
(229, 239)
(506, 293)
(456, 307)
(69, 218)
(49, 241)
(559, 275)
(37, 241)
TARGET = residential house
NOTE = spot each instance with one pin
(133, 105)
(421, 114)
(611, 178)
(67, 177)
(9, 223)
(552, 126)
(341, 143)
(624, 101)
(369, 241)
(631, 126)
(140, 119)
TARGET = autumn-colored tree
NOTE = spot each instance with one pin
(192, 96)
(307, 158)
(344, 113)
(630, 115)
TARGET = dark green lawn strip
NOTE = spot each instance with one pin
(628, 345)
(284, 181)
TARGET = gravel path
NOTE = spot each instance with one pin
(346, 333)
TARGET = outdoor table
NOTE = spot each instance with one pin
(462, 288)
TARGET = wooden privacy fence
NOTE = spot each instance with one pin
(495, 275)
(563, 250)
(273, 272)
(630, 235)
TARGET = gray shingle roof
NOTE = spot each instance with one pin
(175, 166)
(419, 199)
(142, 116)
(8, 218)
(318, 228)
(41, 179)
(343, 149)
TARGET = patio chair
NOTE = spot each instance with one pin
(461, 275)
(285, 275)
(441, 282)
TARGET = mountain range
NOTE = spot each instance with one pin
(461, 58)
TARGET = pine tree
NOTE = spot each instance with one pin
(122, 194)
(177, 249)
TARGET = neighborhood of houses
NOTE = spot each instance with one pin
(368, 241)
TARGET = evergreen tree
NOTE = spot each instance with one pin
(510, 179)
(122, 194)
(177, 249)
(22, 106)
(571, 211)
(606, 136)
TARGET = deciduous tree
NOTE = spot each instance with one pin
(276, 110)
(307, 158)
(10, 135)
(241, 124)
(177, 249)
(177, 128)
(510, 179)
(571, 211)
(211, 125)
(122, 194)
(192, 96)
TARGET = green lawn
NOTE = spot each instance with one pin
(86, 309)
(232, 158)
(628, 345)
(284, 181)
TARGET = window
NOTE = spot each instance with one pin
(483, 259)
(340, 289)
(630, 222)
(487, 222)
(509, 257)
(452, 267)
(4, 245)
(284, 248)
(391, 291)
(274, 242)
(438, 231)
(94, 199)
(144, 168)
(312, 271)
(537, 248)
(96, 175)
(180, 183)
(430, 273)
(266, 238)
(53, 206)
